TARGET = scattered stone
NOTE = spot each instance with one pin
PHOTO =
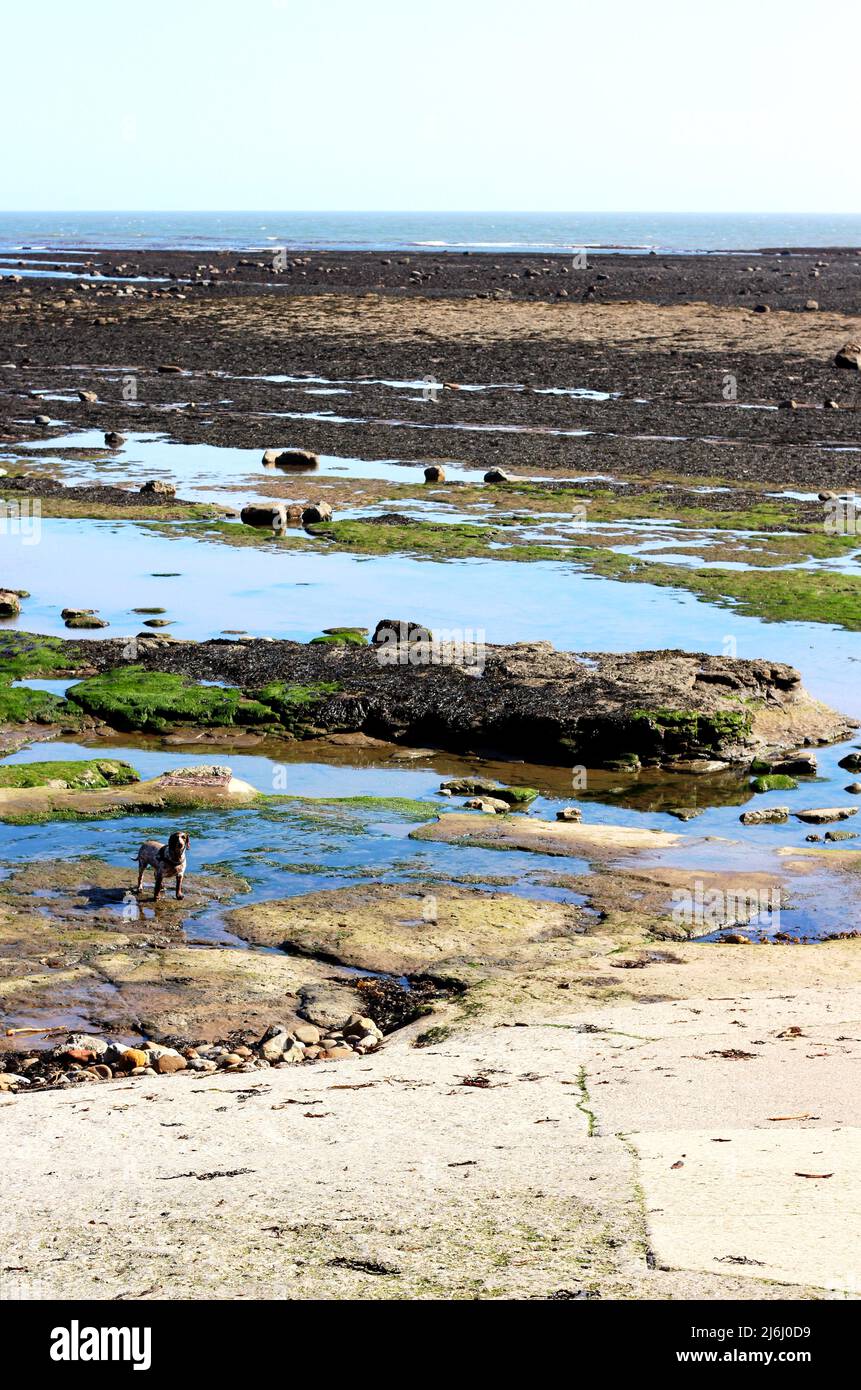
(41, 419)
(88, 397)
(396, 630)
(796, 764)
(273, 518)
(434, 474)
(851, 763)
(841, 834)
(169, 1062)
(490, 805)
(570, 813)
(769, 815)
(133, 1058)
(114, 440)
(849, 357)
(497, 475)
(854, 788)
(814, 839)
(157, 485)
(82, 618)
(774, 782)
(812, 304)
(290, 458)
(821, 815)
(483, 787)
(10, 604)
(170, 369)
(316, 511)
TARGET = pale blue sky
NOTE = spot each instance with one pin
(739, 105)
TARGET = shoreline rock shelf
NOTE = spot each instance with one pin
(653, 708)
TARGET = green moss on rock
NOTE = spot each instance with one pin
(91, 774)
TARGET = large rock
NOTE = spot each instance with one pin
(272, 518)
(530, 702)
(316, 511)
(398, 630)
(158, 487)
(290, 458)
(82, 618)
(822, 815)
(849, 357)
(10, 604)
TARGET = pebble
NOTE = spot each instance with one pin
(83, 1057)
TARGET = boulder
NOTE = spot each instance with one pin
(821, 815)
(82, 618)
(10, 604)
(835, 835)
(434, 474)
(849, 357)
(496, 475)
(491, 805)
(851, 763)
(273, 518)
(158, 486)
(396, 630)
(796, 765)
(316, 511)
(275, 1042)
(290, 458)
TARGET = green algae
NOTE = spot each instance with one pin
(90, 775)
(132, 698)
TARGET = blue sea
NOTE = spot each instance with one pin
(669, 233)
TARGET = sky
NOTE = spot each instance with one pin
(552, 105)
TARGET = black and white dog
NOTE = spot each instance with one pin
(167, 861)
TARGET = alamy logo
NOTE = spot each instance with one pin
(76, 1343)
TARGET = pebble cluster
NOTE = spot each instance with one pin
(82, 1057)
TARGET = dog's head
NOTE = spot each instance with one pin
(177, 845)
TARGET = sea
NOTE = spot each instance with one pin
(668, 233)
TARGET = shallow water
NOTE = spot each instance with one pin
(296, 847)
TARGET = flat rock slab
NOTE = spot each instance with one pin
(156, 794)
(743, 1206)
(544, 837)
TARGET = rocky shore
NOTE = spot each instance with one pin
(526, 700)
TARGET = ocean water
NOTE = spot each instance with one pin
(669, 233)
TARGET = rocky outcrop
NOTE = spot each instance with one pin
(527, 699)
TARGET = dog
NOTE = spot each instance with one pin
(167, 861)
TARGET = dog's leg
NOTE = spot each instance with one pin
(179, 892)
(141, 871)
(159, 886)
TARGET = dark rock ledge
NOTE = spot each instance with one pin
(525, 700)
